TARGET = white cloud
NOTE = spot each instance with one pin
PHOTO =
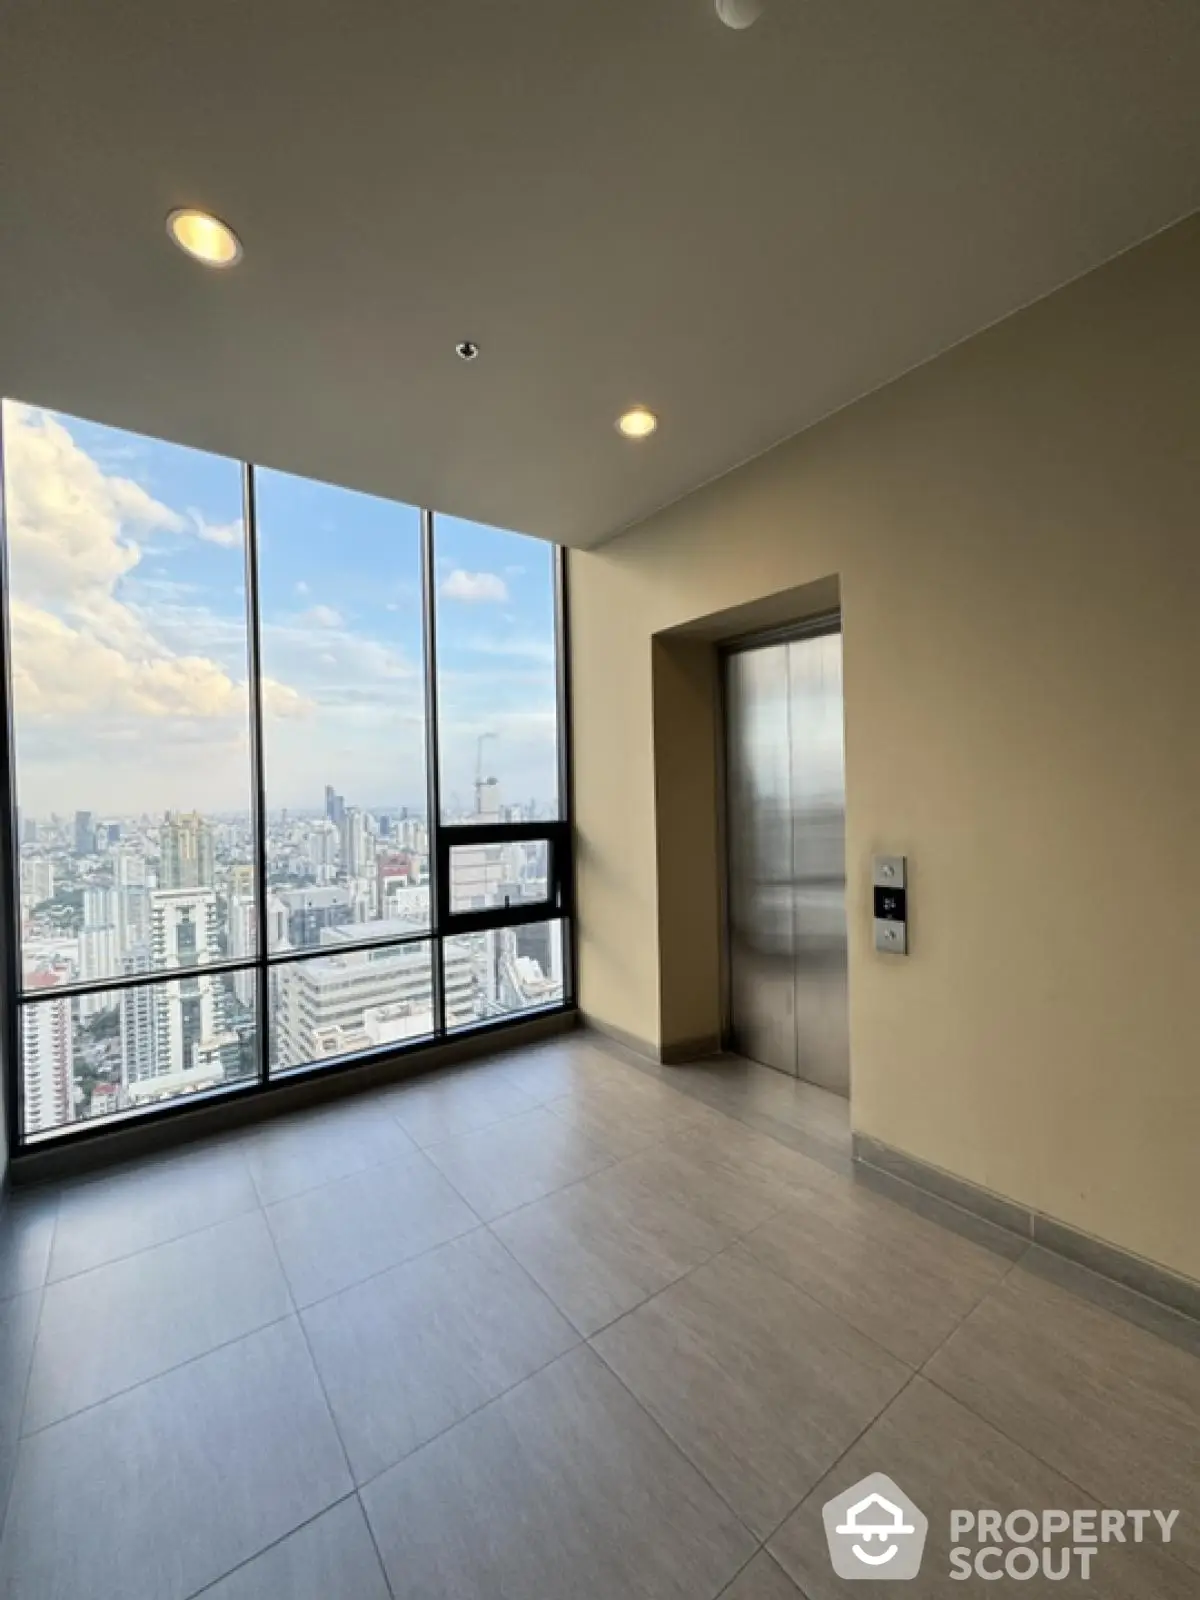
(474, 586)
(301, 587)
(101, 656)
(226, 534)
(322, 617)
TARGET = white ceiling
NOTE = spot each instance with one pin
(620, 200)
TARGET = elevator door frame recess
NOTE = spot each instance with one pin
(785, 893)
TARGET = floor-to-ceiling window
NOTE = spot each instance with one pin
(284, 783)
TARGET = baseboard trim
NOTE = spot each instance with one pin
(667, 1055)
(685, 1050)
(1134, 1272)
(628, 1041)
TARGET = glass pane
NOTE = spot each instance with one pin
(343, 712)
(486, 875)
(116, 1051)
(349, 1001)
(503, 971)
(127, 611)
(497, 682)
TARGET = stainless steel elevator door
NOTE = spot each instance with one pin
(786, 815)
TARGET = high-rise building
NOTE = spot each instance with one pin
(85, 833)
(47, 1052)
(354, 1000)
(99, 906)
(335, 806)
(176, 1034)
(322, 847)
(186, 847)
(357, 844)
(241, 880)
(99, 957)
(310, 912)
(37, 879)
(243, 943)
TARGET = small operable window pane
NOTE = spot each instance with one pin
(487, 876)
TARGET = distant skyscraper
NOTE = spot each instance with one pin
(28, 831)
(322, 846)
(310, 911)
(37, 879)
(335, 806)
(176, 1034)
(186, 844)
(99, 957)
(85, 833)
(357, 846)
(47, 1051)
(243, 942)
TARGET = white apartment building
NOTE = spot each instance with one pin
(47, 1056)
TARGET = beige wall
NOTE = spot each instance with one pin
(1015, 528)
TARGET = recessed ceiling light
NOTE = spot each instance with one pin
(740, 13)
(205, 237)
(639, 422)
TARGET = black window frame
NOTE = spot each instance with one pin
(559, 904)
(559, 900)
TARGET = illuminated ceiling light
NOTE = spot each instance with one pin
(740, 13)
(639, 422)
(205, 237)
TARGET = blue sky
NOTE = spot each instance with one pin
(128, 616)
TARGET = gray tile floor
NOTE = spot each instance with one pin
(558, 1325)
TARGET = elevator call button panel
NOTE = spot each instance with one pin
(889, 890)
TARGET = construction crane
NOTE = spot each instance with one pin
(479, 778)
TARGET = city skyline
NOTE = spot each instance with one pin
(104, 900)
(129, 636)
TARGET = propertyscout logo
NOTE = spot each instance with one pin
(875, 1532)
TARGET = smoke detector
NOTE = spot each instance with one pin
(740, 13)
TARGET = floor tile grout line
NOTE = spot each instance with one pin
(387, 1577)
(425, 1444)
(198, 1594)
(767, 1555)
(482, 1127)
(678, 1448)
(153, 1377)
(1020, 1444)
(159, 1244)
(727, 1589)
(909, 1374)
(577, 1342)
(311, 1188)
(833, 1466)
(581, 1337)
(971, 1310)
(12, 1476)
(382, 1272)
(409, 1157)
